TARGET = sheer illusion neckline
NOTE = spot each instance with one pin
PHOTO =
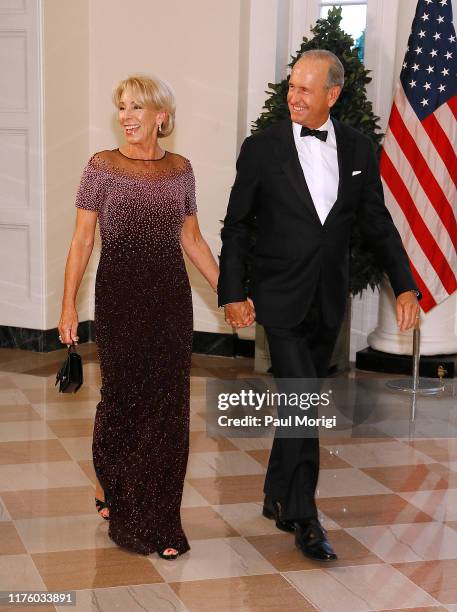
(139, 159)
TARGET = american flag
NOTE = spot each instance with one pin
(418, 161)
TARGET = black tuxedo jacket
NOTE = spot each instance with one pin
(295, 254)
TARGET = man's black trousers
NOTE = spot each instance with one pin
(300, 352)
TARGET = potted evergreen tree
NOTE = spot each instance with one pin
(354, 109)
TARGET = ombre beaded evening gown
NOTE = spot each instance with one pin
(143, 327)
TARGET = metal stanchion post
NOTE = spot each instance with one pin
(415, 384)
(416, 355)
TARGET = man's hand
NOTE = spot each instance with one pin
(407, 310)
(240, 314)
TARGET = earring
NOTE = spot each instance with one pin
(160, 127)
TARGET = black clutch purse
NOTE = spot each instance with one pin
(70, 375)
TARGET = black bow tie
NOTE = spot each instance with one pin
(321, 134)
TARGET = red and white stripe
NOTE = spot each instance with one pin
(419, 173)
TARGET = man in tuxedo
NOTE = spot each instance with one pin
(306, 180)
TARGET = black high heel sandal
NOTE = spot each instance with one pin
(101, 505)
(169, 557)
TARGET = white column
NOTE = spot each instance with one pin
(380, 53)
(381, 38)
(438, 328)
(261, 37)
(259, 40)
(302, 17)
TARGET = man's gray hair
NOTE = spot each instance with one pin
(335, 76)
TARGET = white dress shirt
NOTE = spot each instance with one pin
(319, 162)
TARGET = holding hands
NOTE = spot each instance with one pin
(240, 314)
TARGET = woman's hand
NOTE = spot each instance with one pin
(68, 325)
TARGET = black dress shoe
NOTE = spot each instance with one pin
(272, 510)
(311, 539)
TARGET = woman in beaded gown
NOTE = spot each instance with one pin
(144, 199)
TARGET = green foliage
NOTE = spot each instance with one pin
(352, 108)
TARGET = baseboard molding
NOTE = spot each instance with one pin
(377, 361)
(224, 345)
(39, 340)
(45, 341)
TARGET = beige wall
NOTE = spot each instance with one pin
(65, 138)
(194, 46)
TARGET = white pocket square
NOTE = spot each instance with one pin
(356, 172)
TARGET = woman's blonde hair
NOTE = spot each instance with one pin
(150, 92)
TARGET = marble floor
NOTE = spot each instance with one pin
(389, 504)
